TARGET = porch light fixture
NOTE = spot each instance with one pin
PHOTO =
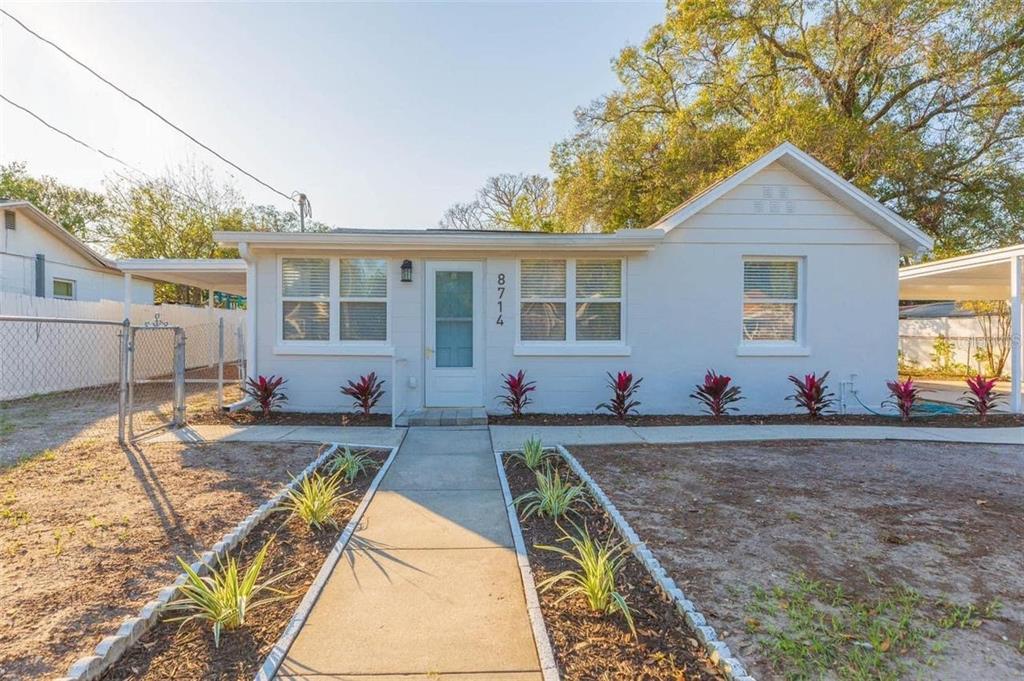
(406, 271)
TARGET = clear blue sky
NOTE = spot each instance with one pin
(383, 114)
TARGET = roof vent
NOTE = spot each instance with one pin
(9, 219)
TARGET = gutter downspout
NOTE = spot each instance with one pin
(251, 370)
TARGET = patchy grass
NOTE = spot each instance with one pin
(913, 547)
(811, 627)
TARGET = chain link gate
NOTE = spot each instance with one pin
(155, 378)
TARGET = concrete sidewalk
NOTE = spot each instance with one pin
(512, 437)
(428, 587)
(355, 435)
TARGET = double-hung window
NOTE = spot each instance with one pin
(363, 300)
(772, 305)
(334, 300)
(305, 299)
(574, 300)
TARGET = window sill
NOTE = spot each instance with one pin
(772, 350)
(570, 349)
(335, 349)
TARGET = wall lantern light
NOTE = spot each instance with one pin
(406, 271)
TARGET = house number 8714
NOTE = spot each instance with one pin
(500, 321)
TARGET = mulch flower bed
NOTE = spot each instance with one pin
(285, 418)
(937, 421)
(592, 646)
(170, 651)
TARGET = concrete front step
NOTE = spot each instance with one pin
(447, 416)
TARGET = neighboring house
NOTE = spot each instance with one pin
(783, 268)
(40, 258)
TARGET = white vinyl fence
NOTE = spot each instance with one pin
(945, 343)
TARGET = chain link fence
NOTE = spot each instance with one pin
(84, 373)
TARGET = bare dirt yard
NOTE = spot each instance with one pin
(89, 530)
(839, 560)
(30, 426)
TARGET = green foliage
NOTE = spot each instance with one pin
(918, 102)
(316, 499)
(593, 578)
(76, 210)
(223, 598)
(350, 465)
(552, 498)
(533, 454)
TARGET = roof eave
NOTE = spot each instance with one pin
(624, 240)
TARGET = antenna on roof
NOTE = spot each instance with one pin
(305, 209)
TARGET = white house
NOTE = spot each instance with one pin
(40, 258)
(783, 268)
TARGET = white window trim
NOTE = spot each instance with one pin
(773, 348)
(571, 346)
(74, 288)
(333, 345)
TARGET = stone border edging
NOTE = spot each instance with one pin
(545, 654)
(111, 648)
(272, 663)
(718, 651)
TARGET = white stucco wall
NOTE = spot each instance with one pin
(18, 249)
(683, 313)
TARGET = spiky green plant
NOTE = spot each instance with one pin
(223, 598)
(533, 454)
(553, 496)
(315, 499)
(351, 464)
(597, 566)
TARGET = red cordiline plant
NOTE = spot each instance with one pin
(266, 391)
(716, 394)
(981, 396)
(624, 388)
(812, 394)
(366, 392)
(517, 391)
(904, 395)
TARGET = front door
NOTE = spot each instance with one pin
(454, 320)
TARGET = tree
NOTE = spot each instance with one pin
(994, 319)
(76, 210)
(507, 201)
(918, 102)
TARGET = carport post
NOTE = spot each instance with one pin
(127, 295)
(1016, 359)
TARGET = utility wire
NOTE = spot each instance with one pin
(88, 146)
(68, 135)
(142, 104)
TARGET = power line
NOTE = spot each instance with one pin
(90, 147)
(142, 104)
(69, 135)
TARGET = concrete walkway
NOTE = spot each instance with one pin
(512, 437)
(429, 586)
(355, 435)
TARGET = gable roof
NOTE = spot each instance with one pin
(51, 226)
(815, 173)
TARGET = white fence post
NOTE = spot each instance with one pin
(220, 364)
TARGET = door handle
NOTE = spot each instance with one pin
(428, 352)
